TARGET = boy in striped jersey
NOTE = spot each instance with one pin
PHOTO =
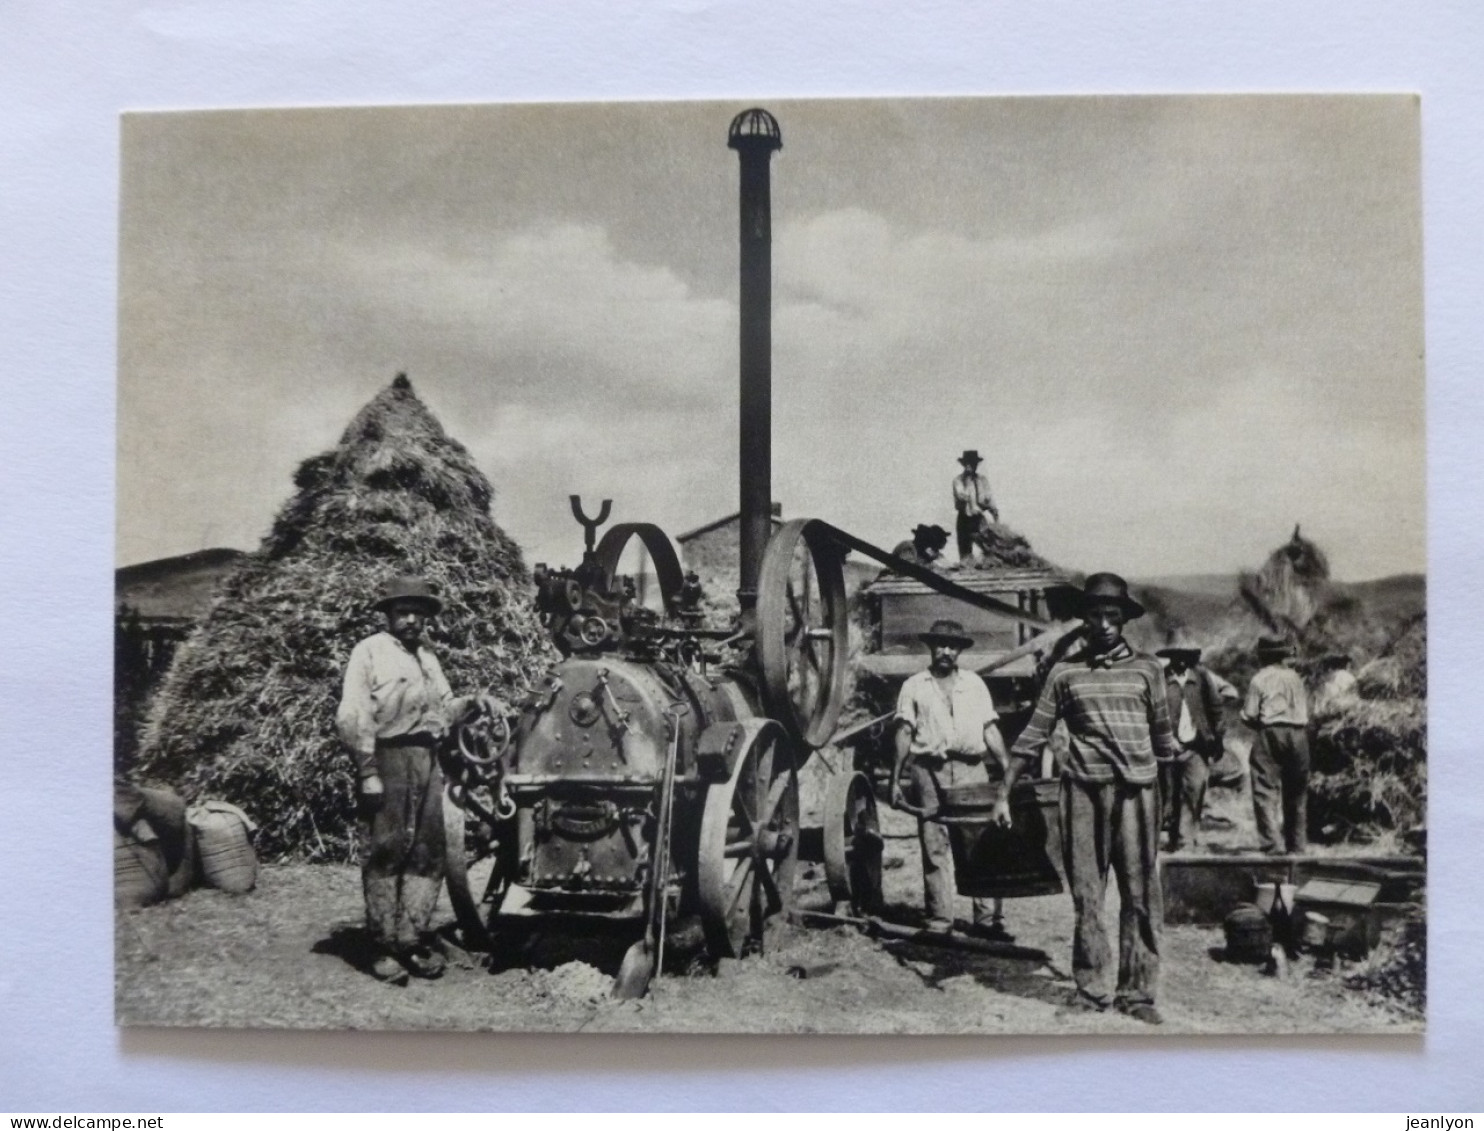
(1113, 701)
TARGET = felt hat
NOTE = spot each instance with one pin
(970, 458)
(1108, 587)
(1273, 647)
(948, 632)
(930, 535)
(1180, 643)
(408, 588)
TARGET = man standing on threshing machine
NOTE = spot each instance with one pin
(972, 501)
(946, 724)
(1277, 710)
(1200, 730)
(394, 708)
(1113, 702)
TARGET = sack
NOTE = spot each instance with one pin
(151, 838)
(222, 830)
(139, 873)
(1227, 771)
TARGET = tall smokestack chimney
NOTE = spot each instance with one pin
(754, 134)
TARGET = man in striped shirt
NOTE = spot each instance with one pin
(1113, 702)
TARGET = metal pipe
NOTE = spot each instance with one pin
(755, 135)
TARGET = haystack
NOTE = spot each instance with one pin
(246, 712)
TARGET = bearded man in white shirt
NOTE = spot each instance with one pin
(395, 707)
(946, 725)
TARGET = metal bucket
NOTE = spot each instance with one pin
(999, 863)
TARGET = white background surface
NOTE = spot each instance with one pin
(67, 70)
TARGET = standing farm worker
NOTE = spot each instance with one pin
(972, 501)
(1200, 732)
(1118, 721)
(945, 724)
(394, 708)
(1277, 709)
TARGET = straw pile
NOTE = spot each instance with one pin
(246, 712)
(1370, 758)
(1005, 548)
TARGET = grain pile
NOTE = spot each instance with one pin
(246, 712)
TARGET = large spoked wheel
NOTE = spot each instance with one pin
(852, 843)
(749, 847)
(803, 630)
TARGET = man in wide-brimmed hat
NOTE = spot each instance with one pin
(1277, 709)
(1200, 730)
(925, 546)
(395, 705)
(1117, 714)
(945, 725)
(973, 502)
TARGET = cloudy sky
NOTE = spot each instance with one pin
(1174, 326)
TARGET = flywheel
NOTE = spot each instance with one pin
(803, 630)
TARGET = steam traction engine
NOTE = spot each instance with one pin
(650, 784)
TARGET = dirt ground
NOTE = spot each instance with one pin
(286, 956)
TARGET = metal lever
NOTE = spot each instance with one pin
(589, 525)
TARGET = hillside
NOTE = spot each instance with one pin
(1197, 601)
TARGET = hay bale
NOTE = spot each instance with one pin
(247, 710)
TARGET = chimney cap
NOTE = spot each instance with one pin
(755, 127)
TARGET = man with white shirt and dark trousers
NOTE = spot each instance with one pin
(946, 725)
(1277, 710)
(973, 502)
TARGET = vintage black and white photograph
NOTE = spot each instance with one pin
(912, 566)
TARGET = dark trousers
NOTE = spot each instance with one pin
(966, 527)
(402, 855)
(931, 775)
(1182, 789)
(1280, 787)
(1115, 824)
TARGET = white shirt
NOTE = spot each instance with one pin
(971, 494)
(945, 721)
(1184, 725)
(390, 692)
